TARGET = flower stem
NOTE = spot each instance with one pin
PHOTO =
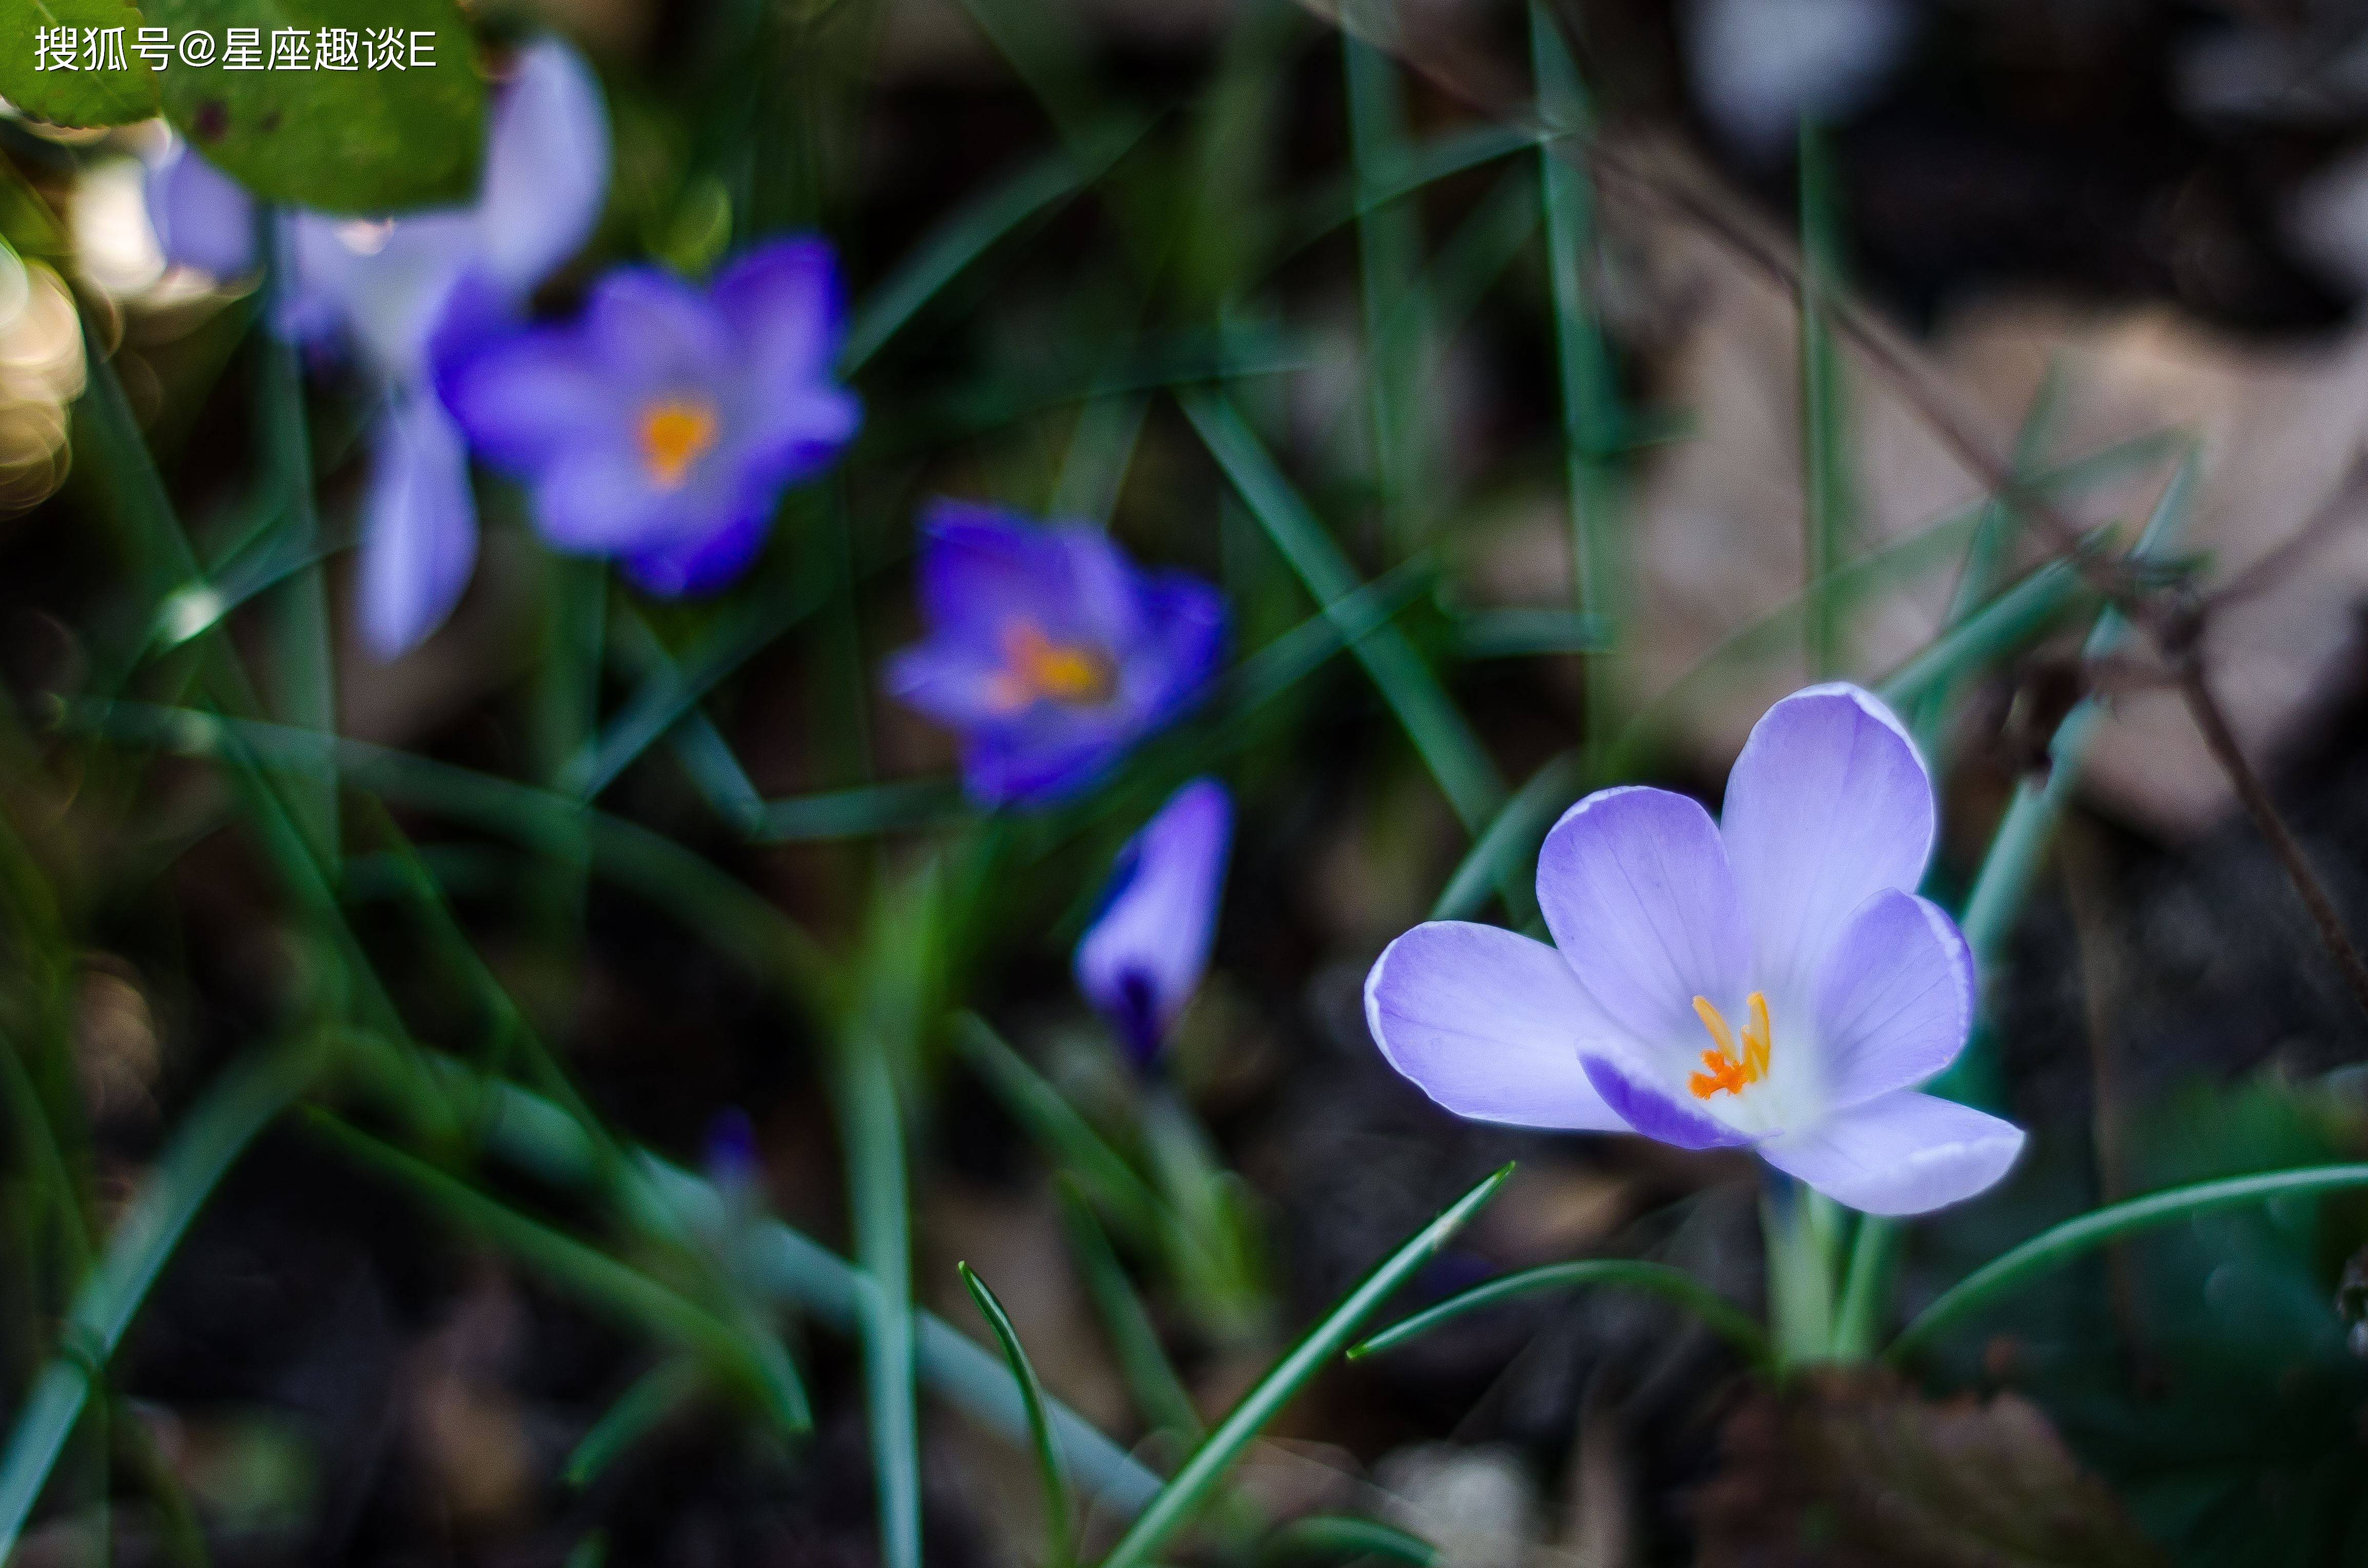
(1803, 1233)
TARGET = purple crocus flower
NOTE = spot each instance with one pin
(1767, 982)
(662, 425)
(1048, 649)
(383, 290)
(1145, 952)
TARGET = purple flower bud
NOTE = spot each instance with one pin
(1144, 956)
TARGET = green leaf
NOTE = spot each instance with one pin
(1729, 1322)
(1040, 1430)
(1158, 1393)
(1081, 1152)
(1432, 722)
(367, 141)
(2010, 1270)
(656, 1394)
(244, 1101)
(547, 1141)
(1342, 1539)
(113, 96)
(973, 229)
(1509, 843)
(1181, 1497)
(757, 1360)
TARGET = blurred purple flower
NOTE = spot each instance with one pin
(383, 290)
(1049, 651)
(1769, 982)
(1146, 951)
(661, 426)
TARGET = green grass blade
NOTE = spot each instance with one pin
(726, 913)
(1341, 1538)
(1440, 735)
(1828, 492)
(1673, 1285)
(655, 1395)
(542, 1137)
(1068, 1136)
(2029, 825)
(1509, 846)
(1528, 633)
(1470, 261)
(1183, 1496)
(1151, 1378)
(872, 1123)
(972, 229)
(592, 1275)
(2012, 621)
(707, 759)
(306, 651)
(1592, 420)
(244, 1101)
(867, 811)
(1058, 1546)
(1396, 310)
(2052, 1248)
(1945, 537)
(673, 688)
(1423, 162)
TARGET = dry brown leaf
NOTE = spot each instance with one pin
(1718, 518)
(1858, 1470)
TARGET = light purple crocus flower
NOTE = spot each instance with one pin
(663, 424)
(1145, 952)
(1049, 651)
(382, 292)
(1767, 982)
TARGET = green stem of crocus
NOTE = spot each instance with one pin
(1804, 1231)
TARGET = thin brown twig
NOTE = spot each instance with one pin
(2340, 508)
(2195, 686)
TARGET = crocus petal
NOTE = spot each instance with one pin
(656, 334)
(1634, 886)
(386, 281)
(982, 566)
(947, 681)
(598, 501)
(1903, 1153)
(1895, 1001)
(525, 397)
(203, 217)
(794, 436)
(1827, 805)
(703, 563)
(1181, 643)
(1144, 956)
(1653, 1111)
(419, 525)
(1487, 1023)
(546, 167)
(1038, 762)
(786, 308)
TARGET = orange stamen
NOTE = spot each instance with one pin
(673, 435)
(1724, 1070)
(1037, 669)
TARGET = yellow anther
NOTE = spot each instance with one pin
(673, 435)
(1726, 1070)
(1037, 669)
